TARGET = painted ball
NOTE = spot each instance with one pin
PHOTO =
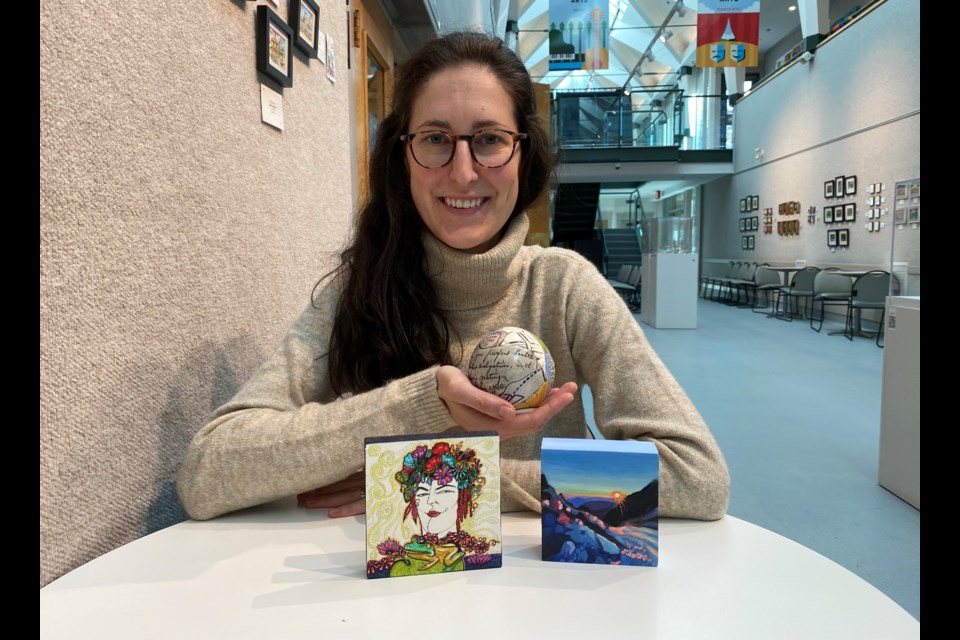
(514, 364)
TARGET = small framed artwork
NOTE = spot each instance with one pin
(873, 188)
(743, 242)
(828, 189)
(755, 202)
(850, 185)
(779, 227)
(305, 22)
(913, 214)
(274, 42)
(915, 190)
(838, 184)
(433, 504)
(743, 225)
(796, 227)
(750, 242)
(832, 238)
(843, 237)
(900, 215)
(901, 191)
(743, 205)
(850, 212)
(828, 215)
(876, 225)
(756, 223)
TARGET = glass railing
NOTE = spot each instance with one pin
(611, 119)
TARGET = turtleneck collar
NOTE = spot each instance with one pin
(472, 281)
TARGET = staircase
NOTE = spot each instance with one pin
(621, 247)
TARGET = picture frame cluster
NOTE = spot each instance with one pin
(838, 237)
(277, 39)
(840, 187)
(750, 203)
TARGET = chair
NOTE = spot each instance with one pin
(629, 287)
(869, 291)
(829, 289)
(740, 283)
(801, 288)
(767, 282)
(709, 282)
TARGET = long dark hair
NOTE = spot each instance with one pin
(388, 323)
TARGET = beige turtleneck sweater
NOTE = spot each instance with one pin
(285, 432)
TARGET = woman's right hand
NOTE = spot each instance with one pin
(476, 410)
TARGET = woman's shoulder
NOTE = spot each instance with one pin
(558, 259)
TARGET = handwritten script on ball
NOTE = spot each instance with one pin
(514, 364)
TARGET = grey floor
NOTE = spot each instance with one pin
(797, 415)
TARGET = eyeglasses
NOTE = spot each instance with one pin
(490, 148)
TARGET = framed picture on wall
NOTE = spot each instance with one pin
(900, 215)
(850, 185)
(743, 225)
(750, 242)
(843, 237)
(828, 215)
(743, 205)
(796, 227)
(755, 203)
(850, 212)
(838, 184)
(743, 242)
(756, 223)
(274, 42)
(828, 189)
(913, 214)
(832, 238)
(305, 22)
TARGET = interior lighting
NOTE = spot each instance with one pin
(666, 35)
(681, 10)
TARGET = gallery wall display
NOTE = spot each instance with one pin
(907, 202)
(749, 203)
(274, 42)
(305, 22)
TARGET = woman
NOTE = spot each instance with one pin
(437, 262)
(440, 485)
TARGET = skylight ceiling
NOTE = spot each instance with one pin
(635, 25)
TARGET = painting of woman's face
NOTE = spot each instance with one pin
(437, 507)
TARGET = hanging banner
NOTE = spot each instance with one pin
(728, 32)
(579, 32)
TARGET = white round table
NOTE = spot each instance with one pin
(279, 571)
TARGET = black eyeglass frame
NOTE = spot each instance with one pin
(469, 137)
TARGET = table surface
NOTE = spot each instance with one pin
(279, 571)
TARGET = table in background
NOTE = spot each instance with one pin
(279, 571)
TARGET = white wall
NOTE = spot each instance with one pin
(855, 110)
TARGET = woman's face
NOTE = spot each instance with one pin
(437, 507)
(464, 204)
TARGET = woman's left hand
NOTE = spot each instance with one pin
(341, 499)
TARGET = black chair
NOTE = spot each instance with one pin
(829, 289)
(739, 285)
(801, 288)
(713, 284)
(869, 291)
(767, 282)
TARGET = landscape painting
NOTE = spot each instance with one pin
(600, 501)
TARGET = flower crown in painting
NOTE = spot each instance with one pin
(444, 463)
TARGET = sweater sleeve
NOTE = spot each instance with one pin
(636, 397)
(285, 431)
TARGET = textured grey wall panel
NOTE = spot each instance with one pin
(179, 237)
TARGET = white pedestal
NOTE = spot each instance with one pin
(899, 470)
(668, 292)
